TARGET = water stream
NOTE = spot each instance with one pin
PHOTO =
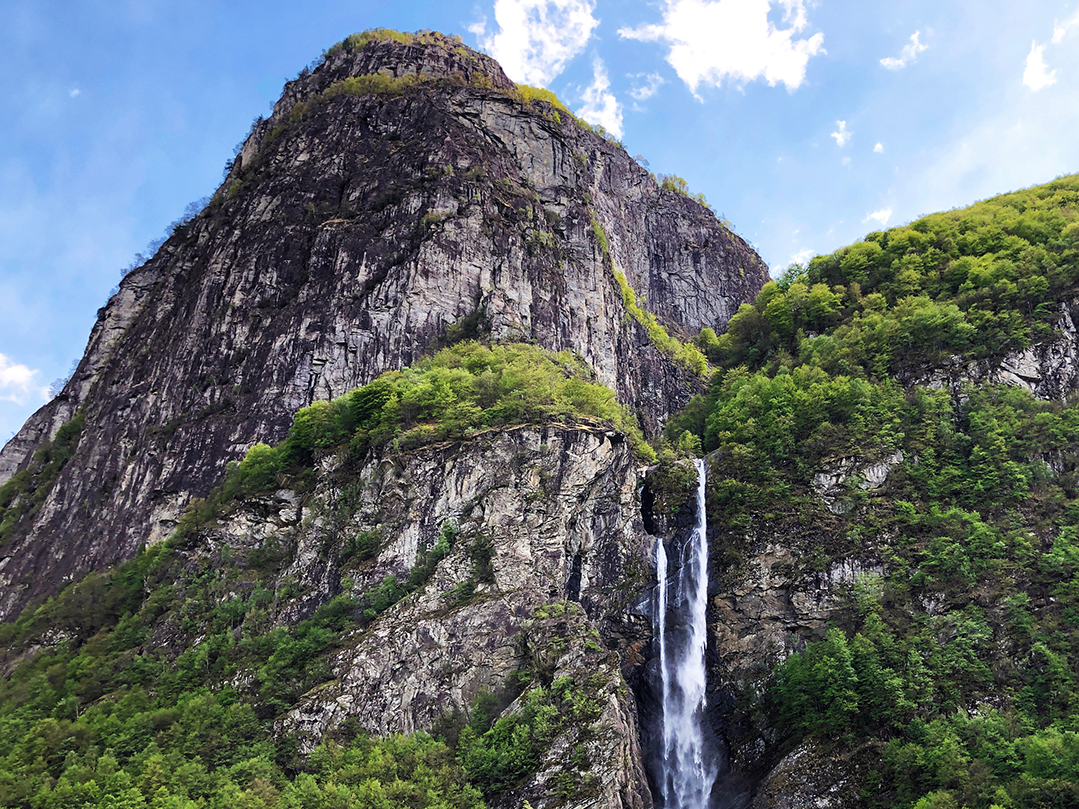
(686, 770)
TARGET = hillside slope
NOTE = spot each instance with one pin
(894, 446)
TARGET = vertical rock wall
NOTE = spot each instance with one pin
(352, 233)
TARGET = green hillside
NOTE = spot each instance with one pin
(111, 716)
(958, 664)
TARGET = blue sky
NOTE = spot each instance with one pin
(805, 123)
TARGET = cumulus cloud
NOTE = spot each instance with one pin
(18, 383)
(649, 84)
(716, 40)
(879, 148)
(907, 55)
(1037, 75)
(802, 257)
(600, 105)
(882, 216)
(842, 135)
(536, 39)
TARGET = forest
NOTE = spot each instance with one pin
(956, 664)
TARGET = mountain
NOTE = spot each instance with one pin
(892, 442)
(362, 490)
(402, 194)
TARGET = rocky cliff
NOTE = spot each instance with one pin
(402, 193)
(565, 558)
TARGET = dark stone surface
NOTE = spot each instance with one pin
(343, 244)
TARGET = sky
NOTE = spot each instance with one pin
(805, 123)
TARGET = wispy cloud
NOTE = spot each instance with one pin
(713, 42)
(600, 105)
(536, 39)
(18, 383)
(74, 93)
(842, 135)
(1061, 29)
(882, 216)
(907, 55)
(1037, 75)
(802, 257)
(648, 84)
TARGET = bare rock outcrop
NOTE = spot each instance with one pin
(557, 510)
(401, 194)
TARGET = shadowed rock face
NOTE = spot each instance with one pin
(352, 231)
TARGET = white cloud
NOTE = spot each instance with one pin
(650, 83)
(18, 383)
(536, 39)
(882, 216)
(907, 55)
(712, 41)
(879, 148)
(600, 105)
(75, 92)
(802, 257)
(842, 135)
(1037, 75)
(1060, 29)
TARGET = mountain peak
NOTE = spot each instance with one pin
(403, 194)
(396, 55)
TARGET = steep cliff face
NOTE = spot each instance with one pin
(399, 191)
(547, 609)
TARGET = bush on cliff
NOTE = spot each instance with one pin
(449, 396)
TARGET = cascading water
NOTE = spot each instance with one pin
(686, 772)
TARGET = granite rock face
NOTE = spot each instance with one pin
(1048, 369)
(358, 225)
(558, 509)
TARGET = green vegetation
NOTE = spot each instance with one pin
(501, 756)
(972, 283)
(450, 396)
(957, 661)
(673, 483)
(528, 94)
(678, 185)
(354, 42)
(172, 672)
(164, 679)
(685, 354)
(371, 84)
(25, 492)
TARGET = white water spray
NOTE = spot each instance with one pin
(686, 774)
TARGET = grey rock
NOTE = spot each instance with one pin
(810, 778)
(345, 242)
(559, 507)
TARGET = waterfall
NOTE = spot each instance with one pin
(686, 773)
